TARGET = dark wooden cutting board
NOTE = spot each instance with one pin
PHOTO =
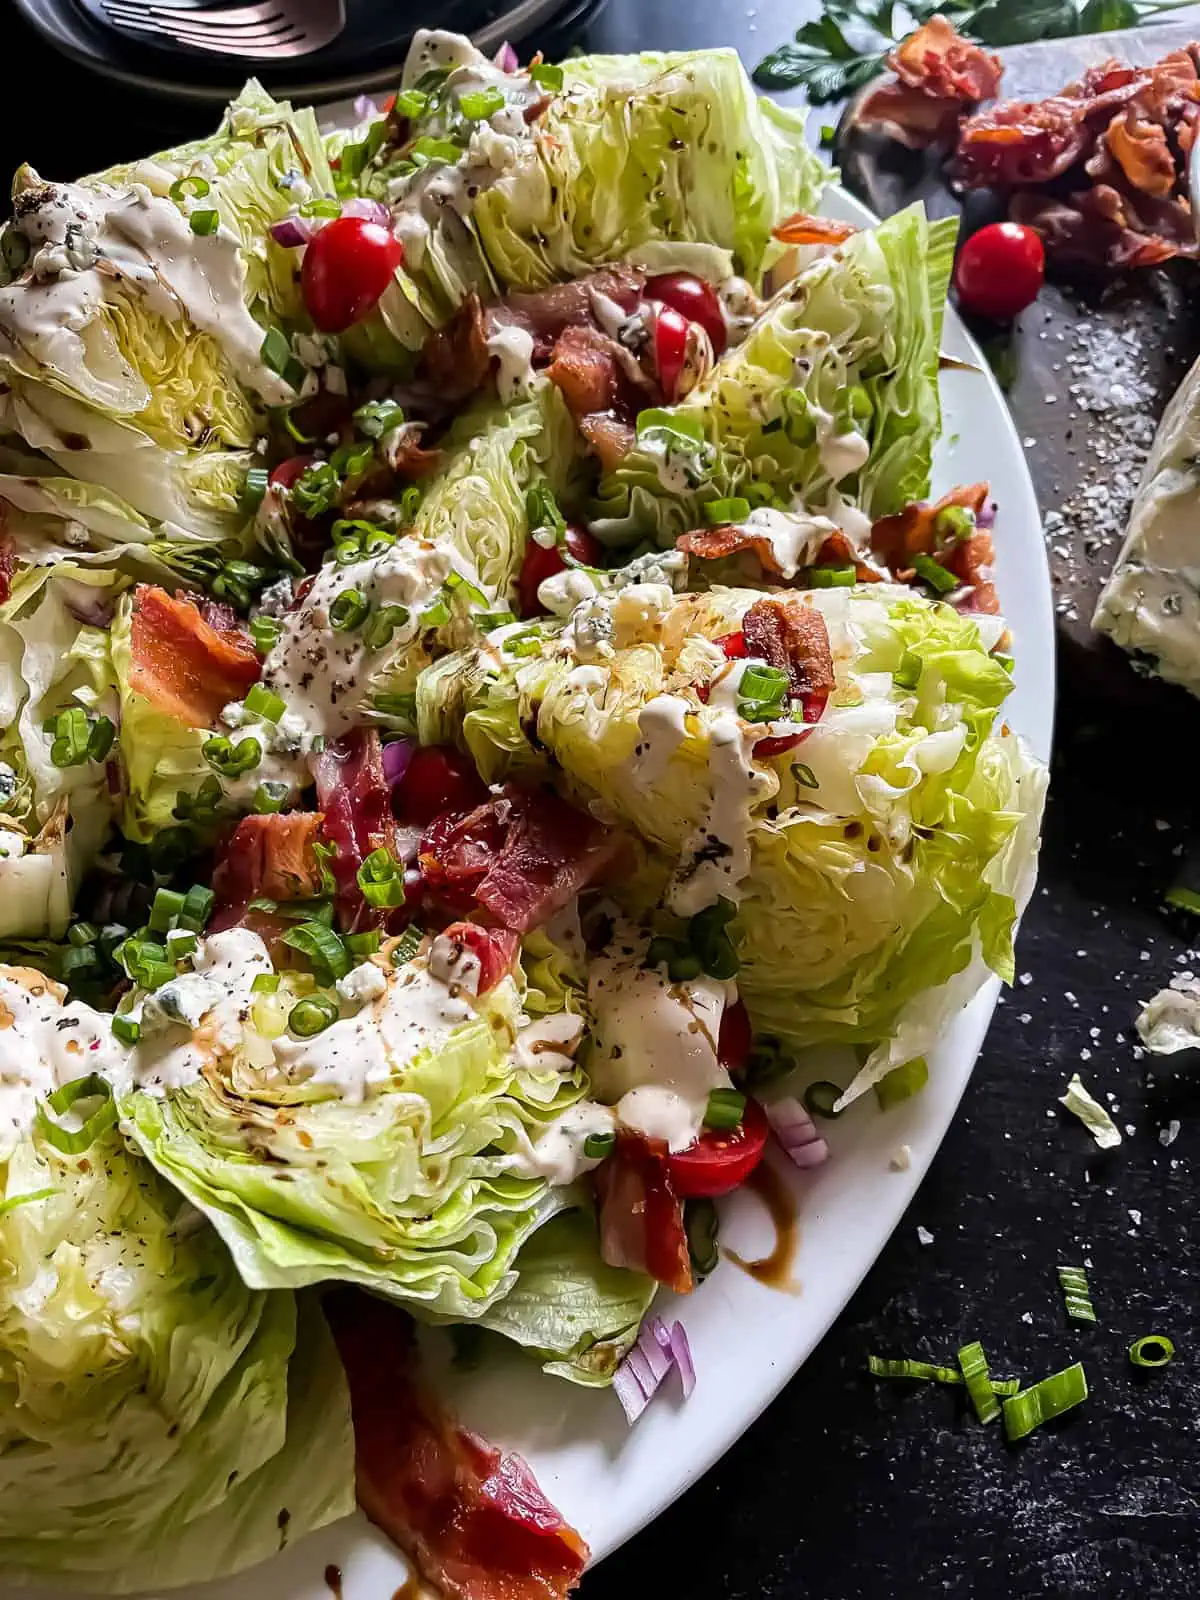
(1087, 369)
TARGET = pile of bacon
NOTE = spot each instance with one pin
(1099, 170)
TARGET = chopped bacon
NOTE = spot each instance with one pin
(494, 948)
(355, 796)
(839, 551)
(641, 1216)
(7, 557)
(521, 856)
(271, 857)
(914, 531)
(1019, 143)
(472, 1519)
(609, 439)
(803, 228)
(793, 637)
(548, 313)
(1141, 151)
(714, 544)
(939, 76)
(184, 666)
(455, 359)
(971, 563)
(406, 456)
(601, 382)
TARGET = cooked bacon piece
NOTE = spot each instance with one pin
(455, 360)
(184, 666)
(939, 76)
(713, 544)
(548, 313)
(472, 1519)
(1020, 143)
(271, 857)
(406, 456)
(839, 551)
(793, 637)
(1140, 149)
(355, 797)
(601, 383)
(1102, 226)
(494, 948)
(7, 558)
(609, 439)
(641, 1216)
(971, 563)
(914, 531)
(803, 228)
(521, 856)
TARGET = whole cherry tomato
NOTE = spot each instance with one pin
(437, 780)
(1000, 270)
(543, 561)
(735, 1038)
(670, 349)
(693, 299)
(721, 1158)
(347, 266)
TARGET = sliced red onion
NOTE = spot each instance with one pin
(796, 1132)
(364, 107)
(368, 210)
(506, 58)
(657, 1350)
(629, 1392)
(396, 757)
(292, 231)
(987, 516)
(88, 606)
(675, 1342)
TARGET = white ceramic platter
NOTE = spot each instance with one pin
(748, 1340)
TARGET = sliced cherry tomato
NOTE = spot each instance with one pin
(1000, 270)
(693, 299)
(670, 349)
(285, 474)
(734, 645)
(438, 780)
(494, 948)
(766, 749)
(721, 1158)
(542, 562)
(735, 1038)
(347, 266)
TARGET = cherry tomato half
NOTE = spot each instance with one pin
(438, 779)
(735, 1038)
(1000, 270)
(693, 299)
(347, 266)
(285, 474)
(721, 1158)
(494, 948)
(542, 562)
(670, 349)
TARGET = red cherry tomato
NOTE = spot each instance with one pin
(542, 562)
(693, 299)
(438, 779)
(735, 1038)
(285, 474)
(347, 266)
(721, 1158)
(494, 948)
(670, 349)
(1000, 270)
(734, 645)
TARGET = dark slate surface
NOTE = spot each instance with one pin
(861, 1491)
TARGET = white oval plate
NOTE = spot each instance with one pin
(609, 1480)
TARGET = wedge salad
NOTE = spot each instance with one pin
(487, 695)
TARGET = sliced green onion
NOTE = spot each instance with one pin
(804, 775)
(1005, 1387)
(528, 643)
(902, 1082)
(923, 1370)
(934, 574)
(126, 1029)
(322, 205)
(326, 953)
(204, 222)
(973, 1364)
(411, 103)
(831, 577)
(546, 76)
(681, 962)
(406, 946)
(378, 417)
(263, 702)
(81, 933)
(1151, 1350)
(271, 796)
(471, 592)
(349, 610)
(598, 1145)
(168, 903)
(1181, 898)
(79, 961)
(265, 632)
(1044, 1401)
(725, 1108)
(1076, 1294)
(73, 1142)
(362, 945)
(198, 906)
(275, 351)
(820, 1099)
(429, 149)
(180, 943)
(352, 460)
(265, 983)
(956, 521)
(316, 490)
(191, 184)
(764, 683)
(312, 1015)
(254, 488)
(292, 427)
(479, 104)
(69, 733)
(719, 512)
(702, 1227)
(908, 674)
(541, 509)
(15, 1200)
(382, 624)
(381, 879)
(410, 502)
(100, 740)
(488, 621)
(230, 760)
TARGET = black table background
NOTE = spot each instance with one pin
(856, 1490)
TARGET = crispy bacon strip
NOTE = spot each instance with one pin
(939, 76)
(793, 637)
(913, 531)
(601, 384)
(183, 665)
(641, 1216)
(971, 563)
(714, 544)
(7, 557)
(355, 797)
(271, 857)
(803, 228)
(455, 360)
(546, 314)
(609, 439)
(1141, 151)
(473, 1519)
(839, 551)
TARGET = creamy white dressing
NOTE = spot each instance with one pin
(662, 726)
(740, 308)
(563, 591)
(513, 349)
(794, 537)
(12, 844)
(90, 245)
(716, 857)
(558, 1153)
(548, 1044)
(283, 749)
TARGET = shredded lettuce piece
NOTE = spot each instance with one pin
(1091, 1113)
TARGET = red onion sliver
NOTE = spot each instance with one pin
(368, 210)
(292, 231)
(796, 1132)
(364, 107)
(506, 58)
(396, 757)
(654, 1345)
(681, 1354)
(629, 1392)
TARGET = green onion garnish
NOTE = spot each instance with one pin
(955, 521)
(973, 1364)
(377, 634)
(126, 1029)
(541, 509)
(1044, 1401)
(73, 1141)
(100, 740)
(381, 879)
(1151, 1350)
(168, 903)
(718, 512)
(204, 222)
(293, 428)
(597, 1145)
(316, 490)
(725, 1109)
(231, 760)
(908, 674)
(378, 417)
(198, 906)
(265, 983)
(263, 702)
(681, 962)
(546, 76)
(265, 632)
(352, 460)
(831, 577)
(312, 1015)
(79, 961)
(322, 205)
(349, 610)
(1181, 898)
(191, 184)
(1076, 1294)
(477, 105)
(411, 103)
(762, 694)
(924, 1370)
(702, 1226)
(488, 621)
(362, 945)
(254, 488)
(406, 946)
(804, 775)
(410, 502)
(81, 933)
(821, 1098)
(902, 1082)
(69, 733)
(427, 149)
(271, 796)
(934, 574)
(326, 953)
